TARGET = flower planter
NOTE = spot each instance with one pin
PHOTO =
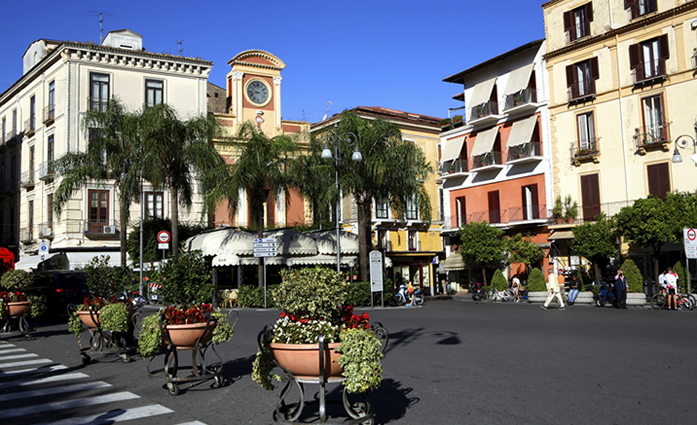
(18, 308)
(302, 360)
(88, 319)
(185, 337)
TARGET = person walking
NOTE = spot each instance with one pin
(515, 285)
(672, 286)
(620, 290)
(562, 283)
(554, 291)
(575, 289)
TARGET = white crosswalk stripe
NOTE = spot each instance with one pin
(39, 389)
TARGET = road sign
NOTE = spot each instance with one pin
(690, 241)
(43, 249)
(264, 254)
(264, 247)
(163, 236)
(162, 246)
(264, 240)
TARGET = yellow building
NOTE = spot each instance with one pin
(410, 246)
(622, 89)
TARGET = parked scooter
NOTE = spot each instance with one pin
(478, 293)
(403, 297)
(606, 294)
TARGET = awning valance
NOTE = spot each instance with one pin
(222, 241)
(452, 149)
(484, 142)
(560, 235)
(326, 242)
(292, 242)
(518, 79)
(454, 262)
(225, 260)
(482, 92)
(521, 131)
(79, 260)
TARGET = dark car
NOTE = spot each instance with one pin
(61, 289)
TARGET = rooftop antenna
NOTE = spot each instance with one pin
(179, 46)
(329, 105)
(101, 20)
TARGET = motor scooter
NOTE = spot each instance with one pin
(478, 293)
(606, 294)
(403, 297)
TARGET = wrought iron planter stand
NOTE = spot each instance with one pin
(200, 371)
(123, 344)
(360, 412)
(18, 322)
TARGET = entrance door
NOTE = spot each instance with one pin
(99, 211)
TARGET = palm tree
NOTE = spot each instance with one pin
(313, 178)
(112, 154)
(178, 153)
(260, 169)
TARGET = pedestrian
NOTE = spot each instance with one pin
(562, 282)
(410, 295)
(672, 287)
(554, 291)
(575, 289)
(515, 285)
(620, 290)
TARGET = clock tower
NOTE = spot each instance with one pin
(254, 90)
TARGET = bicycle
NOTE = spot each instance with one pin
(683, 301)
(496, 295)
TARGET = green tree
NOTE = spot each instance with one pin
(633, 275)
(177, 154)
(151, 227)
(521, 250)
(595, 241)
(485, 247)
(499, 281)
(391, 169)
(261, 169)
(112, 153)
(313, 178)
(536, 280)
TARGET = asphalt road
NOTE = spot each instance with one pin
(448, 362)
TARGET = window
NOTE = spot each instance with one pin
(51, 112)
(411, 212)
(32, 162)
(14, 123)
(648, 59)
(590, 197)
(99, 91)
(154, 204)
(30, 219)
(49, 211)
(531, 207)
(382, 209)
(50, 154)
(98, 210)
(580, 79)
(658, 176)
(461, 205)
(153, 93)
(4, 129)
(577, 22)
(382, 239)
(412, 243)
(655, 126)
(640, 7)
(586, 132)
(494, 207)
(32, 113)
(441, 201)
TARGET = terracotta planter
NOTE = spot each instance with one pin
(87, 318)
(18, 308)
(302, 360)
(185, 337)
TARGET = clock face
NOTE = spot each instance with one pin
(257, 92)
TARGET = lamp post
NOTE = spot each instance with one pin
(682, 143)
(335, 138)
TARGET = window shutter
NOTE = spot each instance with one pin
(595, 72)
(568, 21)
(589, 12)
(494, 208)
(634, 53)
(590, 196)
(633, 5)
(535, 201)
(663, 46)
(659, 180)
(571, 81)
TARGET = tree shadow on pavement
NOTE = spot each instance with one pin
(407, 336)
(391, 401)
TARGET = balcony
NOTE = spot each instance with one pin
(580, 93)
(26, 235)
(29, 127)
(487, 162)
(485, 113)
(456, 168)
(521, 102)
(589, 151)
(649, 73)
(99, 229)
(525, 153)
(46, 230)
(97, 104)
(11, 137)
(46, 171)
(26, 180)
(694, 59)
(49, 114)
(528, 214)
(652, 138)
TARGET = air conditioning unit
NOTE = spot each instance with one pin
(109, 230)
(47, 231)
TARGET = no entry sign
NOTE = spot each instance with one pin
(690, 241)
(163, 236)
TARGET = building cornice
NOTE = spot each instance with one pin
(629, 27)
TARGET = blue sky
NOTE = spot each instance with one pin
(388, 53)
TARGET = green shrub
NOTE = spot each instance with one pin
(499, 281)
(252, 296)
(101, 281)
(682, 275)
(536, 281)
(16, 280)
(114, 317)
(358, 294)
(634, 279)
(308, 293)
(186, 280)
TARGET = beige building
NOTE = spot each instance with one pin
(41, 115)
(622, 90)
(411, 246)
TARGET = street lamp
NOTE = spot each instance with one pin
(335, 138)
(681, 142)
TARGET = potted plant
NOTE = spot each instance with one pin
(481, 111)
(14, 297)
(570, 209)
(187, 287)
(445, 124)
(312, 303)
(457, 121)
(558, 210)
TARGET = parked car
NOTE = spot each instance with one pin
(61, 289)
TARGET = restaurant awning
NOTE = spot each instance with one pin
(484, 142)
(78, 260)
(326, 242)
(321, 259)
(452, 149)
(521, 131)
(222, 241)
(454, 262)
(223, 260)
(292, 242)
(518, 79)
(482, 92)
(560, 235)
(32, 261)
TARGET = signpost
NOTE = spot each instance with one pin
(264, 247)
(43, 251)
(690, 242)
(163, 238)
(376, 281)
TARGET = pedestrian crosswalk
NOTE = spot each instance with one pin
(35, 390)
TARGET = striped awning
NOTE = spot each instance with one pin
(484, 142)
(454, 262)
(521, 131)
(482, 92)
(452, 149)
(518, 79)
(564, 234)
